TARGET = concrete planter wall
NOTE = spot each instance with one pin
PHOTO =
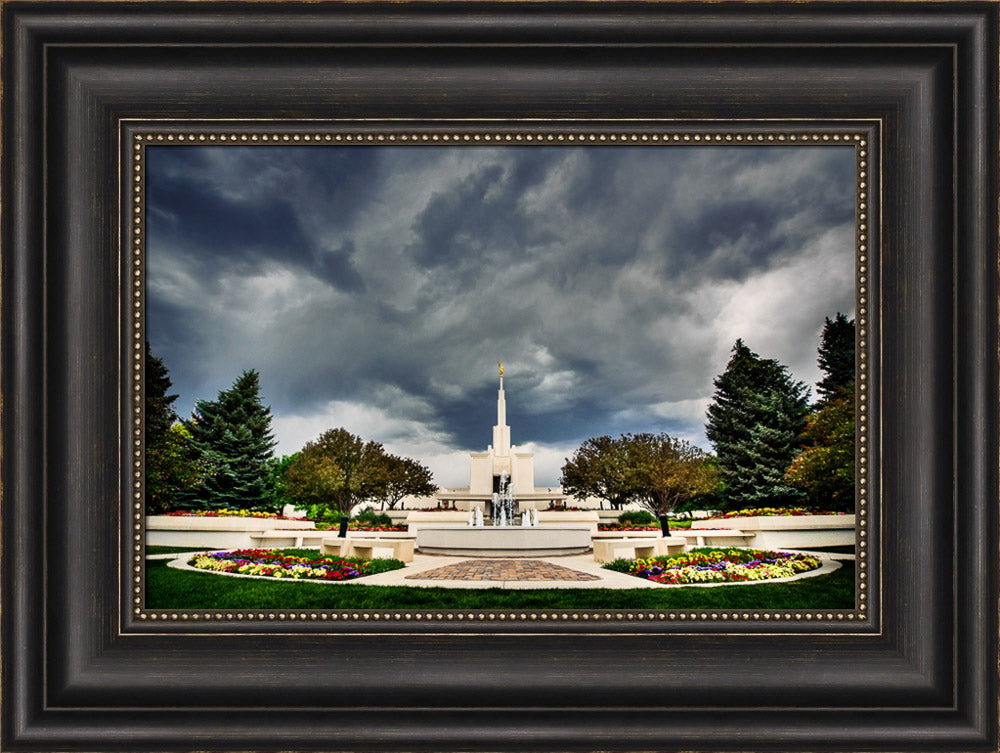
(568, 518)
(627, 535)
(788, 531)
(608, 516)
(506, 541)
(212, 533)
(418, 519)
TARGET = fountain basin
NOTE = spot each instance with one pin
(505, 541)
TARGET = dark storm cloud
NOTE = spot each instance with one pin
(247, 210)
(376, 287)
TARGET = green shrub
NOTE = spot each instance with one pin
(368, 516)
(637, 517)
(620, 565)
(380, 565)
(323, 513)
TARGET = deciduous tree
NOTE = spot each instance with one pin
(599, 468)
(401, 477)
(277, 481)
(657, 471)
(824, 469)
(667, 472)
(342, 470)
(314, 478)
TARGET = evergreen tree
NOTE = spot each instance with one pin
(836, 358)
(170, 469)
(160, 413)
(232, 435)
(754, 422)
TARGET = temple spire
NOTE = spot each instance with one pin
(501, 403)
(501, 432)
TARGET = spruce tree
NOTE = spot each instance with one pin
(836, 358)
(160, 412)
(160, 415)
(232, 435)
(754, 421)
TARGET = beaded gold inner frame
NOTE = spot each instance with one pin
(136, 136)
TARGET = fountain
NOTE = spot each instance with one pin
(510, 535)
(504, 506)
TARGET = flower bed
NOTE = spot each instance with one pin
(327, 526)
(716, 566)
(277, 564)
(228, 514)
(674, 525)
(763, 512)
(365, 527)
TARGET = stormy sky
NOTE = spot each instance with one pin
(376, 287)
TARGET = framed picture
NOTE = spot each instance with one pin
(143, 219)
(454, 244)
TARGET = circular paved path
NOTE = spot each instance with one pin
(503, 569)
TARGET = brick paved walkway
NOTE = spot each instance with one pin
(505, 569)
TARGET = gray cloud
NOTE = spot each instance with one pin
(380, 285)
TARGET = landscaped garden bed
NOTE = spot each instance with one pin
(354, 526)
(765, 512)
(674, 525)
(227, 514)
(717, 566)
(293, 564)
(170, 588)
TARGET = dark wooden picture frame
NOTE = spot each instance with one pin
(80, 672)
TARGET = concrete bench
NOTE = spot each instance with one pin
(276, 539)
(335, 546)
(714, 536)
(606, 550)
(402, 549)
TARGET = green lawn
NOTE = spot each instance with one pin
(167, 588)
(843, 549)
(174, 549)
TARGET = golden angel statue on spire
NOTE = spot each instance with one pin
(501, 369)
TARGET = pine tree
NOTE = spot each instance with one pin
(170, 469)
(754, 422)
(232, 435)
(836, 358)
(160, 413)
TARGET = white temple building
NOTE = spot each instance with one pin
(486, 469)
